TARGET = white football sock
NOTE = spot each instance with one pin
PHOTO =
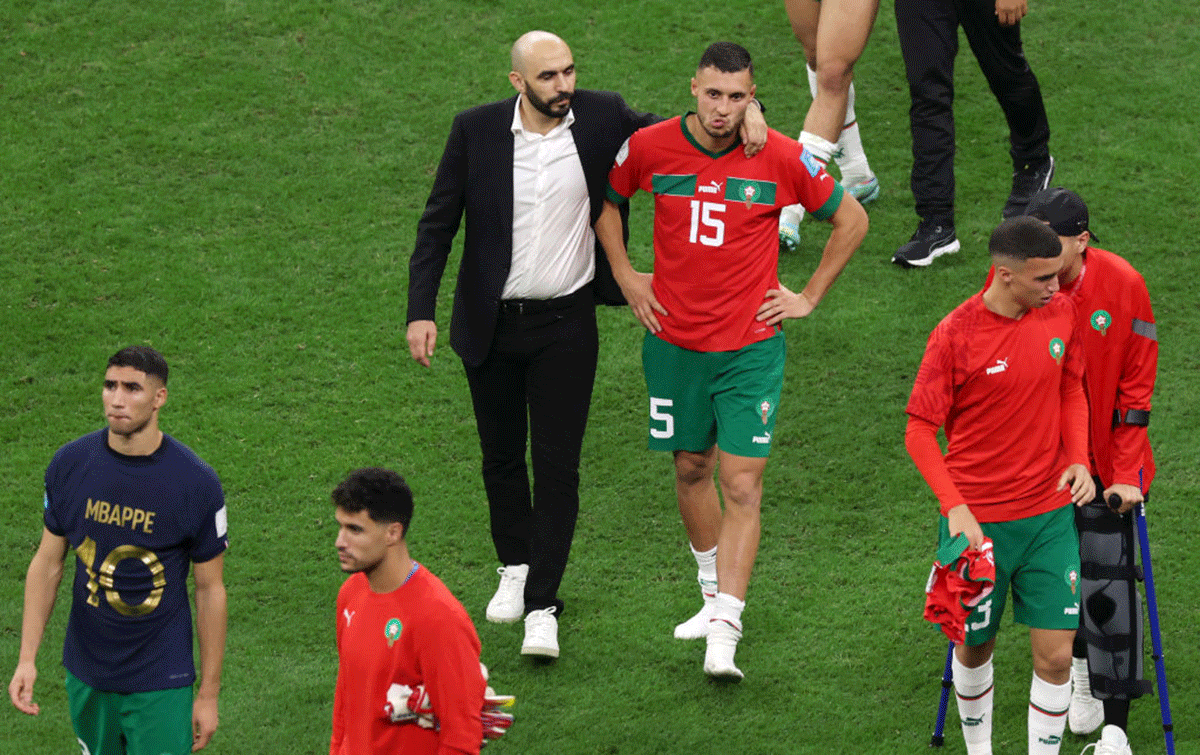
(1048, 705)
(706, 569)
(728, 608)
(974, 689)
(812, 80)
(851, 159)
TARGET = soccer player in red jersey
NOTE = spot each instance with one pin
(1002, 373)
(397, 624)
(714, 354)
(1120, 350)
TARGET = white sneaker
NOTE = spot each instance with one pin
(1112, 742)
(508, 604)
(541, 633)
(722, 644)
(1086, 712)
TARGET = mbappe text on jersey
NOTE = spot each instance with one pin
(122, 516)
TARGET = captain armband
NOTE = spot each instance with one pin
(1145, 329)
(1139, 417)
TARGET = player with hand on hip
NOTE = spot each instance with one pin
(714, 352)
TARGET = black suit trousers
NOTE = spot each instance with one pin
(928, 32)
(536, 384)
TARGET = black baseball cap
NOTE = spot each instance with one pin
(1063, 209)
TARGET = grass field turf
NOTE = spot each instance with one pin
(238, 184)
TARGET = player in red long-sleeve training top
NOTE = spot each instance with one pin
(1002, 374)
(397, 624)
(1120, 350)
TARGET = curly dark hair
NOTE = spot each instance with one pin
(382, 493)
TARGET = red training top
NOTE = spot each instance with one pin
(1010, 397)
(416, 634)
(1120, 349)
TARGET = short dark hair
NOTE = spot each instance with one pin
(141, 358)
(1023, 237)
(382, 493)
(726, 57)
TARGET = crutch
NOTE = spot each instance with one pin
(947, 682)
(1160, 668)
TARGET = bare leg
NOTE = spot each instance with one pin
(804, 16)
(741, 484)
(974, 656)
(700, 508)
(842, 33)
(1052, 653)
(699, 504)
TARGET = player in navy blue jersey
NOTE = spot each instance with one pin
(139, 508)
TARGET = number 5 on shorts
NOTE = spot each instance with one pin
(658, 415)
(985, 609)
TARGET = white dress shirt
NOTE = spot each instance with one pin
(553, 242)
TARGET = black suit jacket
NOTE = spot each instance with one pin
(475, 177)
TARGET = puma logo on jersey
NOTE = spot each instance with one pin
(714, 187)
(1000, 366)
(349, 615)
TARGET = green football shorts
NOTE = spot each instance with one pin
(727, 398)
(131, 723)
(1039, 557)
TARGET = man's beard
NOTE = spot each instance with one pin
(544, 107)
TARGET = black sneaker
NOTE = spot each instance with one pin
(927, 244)
(1026, 182)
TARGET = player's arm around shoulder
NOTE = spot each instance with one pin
(41, 588)
(211, 621)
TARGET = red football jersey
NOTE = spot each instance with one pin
(1120, 350)
(999, 387)
(716, 227)
(417, 634)
(956, 587)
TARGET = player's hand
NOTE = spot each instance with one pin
(962, 520)
(1083, 489)
(782, 304)
(204, 720)
(1130, 496)
(422, 337)
(640, 295)
(753, 131)
(20, 689)
(1010, 12)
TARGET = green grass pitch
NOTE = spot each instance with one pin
(238, 184)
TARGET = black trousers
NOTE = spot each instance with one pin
(536, 384)
(928, 31)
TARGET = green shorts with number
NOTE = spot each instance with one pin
(131, 723)
(727, 398)
(1039, 557)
